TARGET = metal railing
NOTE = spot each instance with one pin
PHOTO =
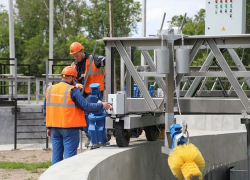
(10, 81)
(48, 76)
(14, 79)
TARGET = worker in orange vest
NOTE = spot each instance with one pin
(64, 113)
(82, 65)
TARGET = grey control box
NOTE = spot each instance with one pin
(224, 17)
(118, 103)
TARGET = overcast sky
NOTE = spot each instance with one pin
(155, 10)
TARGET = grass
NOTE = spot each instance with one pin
(27, 166)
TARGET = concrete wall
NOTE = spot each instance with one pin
(213, 122)
(144, 160)
(7, 126)
(220, 148)
(30, 119)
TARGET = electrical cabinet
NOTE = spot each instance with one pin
(224, 17)
(118, 103)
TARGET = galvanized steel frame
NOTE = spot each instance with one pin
(194, 43)
(187, 104)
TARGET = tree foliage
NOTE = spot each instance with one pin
(126, 14)
(84, 21)
(74, 20)
(4, 32)
(193, 25)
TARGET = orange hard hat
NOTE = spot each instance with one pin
(69, 71)
(75, 47)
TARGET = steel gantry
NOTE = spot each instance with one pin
(197, 88)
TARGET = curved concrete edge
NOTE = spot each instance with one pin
(144, 160)
(220, 148)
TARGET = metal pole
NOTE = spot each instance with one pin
(47, 140)
(163, 19)
(248, 150)
(144, 17)
(129, 80)
(109, 77)
(28, 91)
(11, 35)
(111, 24)
(122, 75)
(111, 34)
(15, 125)
(51, 35)
(80, 134)
(1, 83)
(47, 76)
(37, 90)
(169, 98)
(15, 71)
(183, 21)
(11, 40)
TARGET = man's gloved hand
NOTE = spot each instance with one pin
(106, 105)
(79, 86)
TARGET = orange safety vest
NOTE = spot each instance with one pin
(96, 76)
(61, 111)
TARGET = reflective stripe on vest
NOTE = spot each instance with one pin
(95, 72)
(61, 111)
(64, 104)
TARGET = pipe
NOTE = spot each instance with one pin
(51, 33)
(164, 15)
(183, 21)
(12, 43)
(111, 26)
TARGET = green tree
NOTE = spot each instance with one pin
(126, 14)
(73, 21)
(193, 26)
(32, 26)
(4, 32)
